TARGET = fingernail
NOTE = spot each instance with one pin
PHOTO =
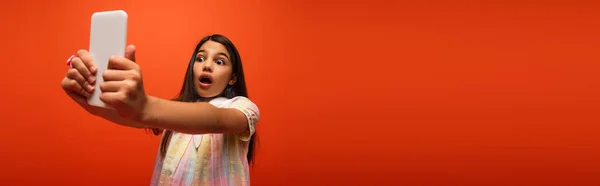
(93, 69)
(70, 59)
(91, 79)
(90, 88)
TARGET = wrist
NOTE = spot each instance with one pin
(149, 111)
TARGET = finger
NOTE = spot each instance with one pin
(111, 86)
(112, 99)
(130, 52)
(78, 98)
(70, 85)
(74, 74)
(115, 75)
(121, 63)
(83, 70)
(86, 57)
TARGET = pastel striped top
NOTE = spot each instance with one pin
(208, 159)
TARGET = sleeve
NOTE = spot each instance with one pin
(252, 113)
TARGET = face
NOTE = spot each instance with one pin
(212, 70)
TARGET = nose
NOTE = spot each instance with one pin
(208, 66)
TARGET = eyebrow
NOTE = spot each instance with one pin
(220, 53)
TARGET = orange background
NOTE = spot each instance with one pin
(350, 92)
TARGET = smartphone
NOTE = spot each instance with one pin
(108, 37)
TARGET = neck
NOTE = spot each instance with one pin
(205, 99)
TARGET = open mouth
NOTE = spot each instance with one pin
(206, 79)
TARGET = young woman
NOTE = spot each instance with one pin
(208, 129)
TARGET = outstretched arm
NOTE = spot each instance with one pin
(123, 90)
(192, 117)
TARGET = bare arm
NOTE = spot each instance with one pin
(123, 90)
(192, 117)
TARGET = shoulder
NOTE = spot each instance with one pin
(250, 111)
(245, 105)
(241, 101)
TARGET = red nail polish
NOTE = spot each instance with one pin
(69, 60)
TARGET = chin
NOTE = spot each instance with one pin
(205, 94)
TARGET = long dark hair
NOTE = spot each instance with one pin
(188, 92)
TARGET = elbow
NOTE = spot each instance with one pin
(217, 120)
(228, 124)
(230, 128)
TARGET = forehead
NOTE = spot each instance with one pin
(213, 47)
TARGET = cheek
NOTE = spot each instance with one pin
(225, 76)
(197, 71)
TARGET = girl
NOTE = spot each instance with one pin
(208, 129)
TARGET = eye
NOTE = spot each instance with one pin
(220, 62)
(200, 59)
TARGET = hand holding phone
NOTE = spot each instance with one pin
(108, 37)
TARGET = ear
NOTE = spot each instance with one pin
(233, 80)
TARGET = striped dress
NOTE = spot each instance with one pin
(208, 159)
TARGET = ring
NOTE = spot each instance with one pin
(69, 61)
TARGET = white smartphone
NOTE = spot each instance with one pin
(108, 37)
